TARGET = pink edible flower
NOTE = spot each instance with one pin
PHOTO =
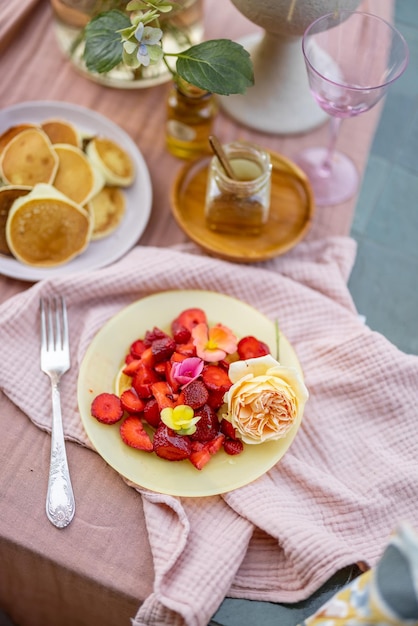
(184, 372)
(213, 344)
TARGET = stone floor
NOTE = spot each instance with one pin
(384, 281)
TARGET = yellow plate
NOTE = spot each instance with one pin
(291, 212)
(102, 363)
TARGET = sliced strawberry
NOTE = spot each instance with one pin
(195, 394)
(131, 366)
(131, 402)
(186, 349)
(176, 356)
(152, 335)
(137, 348)
(216, 444)
(147, 357)
(233, 446)
(216, 399)
(249, 348)
(216, 378)
(143, 379)
(180, 333)
(207, 427)
(199, 458)
(134, 435)
(170, 445)
(165, 396)
(163, 348)
(152, 412)
(227, 429)
(160, 368)
(202, 453)
(189, 318)
(107, 408)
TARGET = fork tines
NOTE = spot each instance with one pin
(54, 323)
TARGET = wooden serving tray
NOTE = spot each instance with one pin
(291, 212)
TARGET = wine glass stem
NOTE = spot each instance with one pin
(326, 165)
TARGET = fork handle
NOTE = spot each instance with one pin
(60, 503)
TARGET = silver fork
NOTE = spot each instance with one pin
(55, 361)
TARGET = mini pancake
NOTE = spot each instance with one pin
(28, 159)
(60, 131)
(107, 209)
(8, 195)
(76, 177)
(115, 163)
(45, 228)
(11, 132)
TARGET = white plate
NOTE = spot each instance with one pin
(138, 196)
(103, 361)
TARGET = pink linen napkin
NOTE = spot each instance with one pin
(348, 478)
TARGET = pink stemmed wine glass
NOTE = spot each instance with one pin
(351, 59)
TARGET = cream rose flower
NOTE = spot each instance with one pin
(265, 399)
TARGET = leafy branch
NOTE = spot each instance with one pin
(114, 37)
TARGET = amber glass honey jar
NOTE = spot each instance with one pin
(239, 206)
(190, 116)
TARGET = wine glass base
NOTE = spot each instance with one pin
(339, 185)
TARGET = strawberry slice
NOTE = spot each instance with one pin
(170, 445)
(165, 396)
(137, 348)
(147, 357)
(216, 444)
(134, 434)
(131, 402)
(202, 453)
(152, 412)
(216, 378)
(107, 408)
(227, 429)
(207, 427)
(143, 379)
(186, 349)
(132, 366)
(250, 348)
(189, 318)
(224, 364)
(233, 446)
(216, 399)
(195, 394)
(176, 356)
(152, 335)
(200, 456)
(163, 348)
(180, 333)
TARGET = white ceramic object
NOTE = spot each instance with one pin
(280, 101)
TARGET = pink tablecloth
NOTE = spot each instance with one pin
(350, 476)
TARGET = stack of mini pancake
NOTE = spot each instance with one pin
(58, 191)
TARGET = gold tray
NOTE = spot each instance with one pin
(291, 212)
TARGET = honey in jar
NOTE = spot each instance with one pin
(239, 206)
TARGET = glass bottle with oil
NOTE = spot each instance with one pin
(241, 205)
(190, 116)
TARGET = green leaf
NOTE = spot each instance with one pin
(220, 66)
(103, 46)
(136, 5)
(139, 5)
